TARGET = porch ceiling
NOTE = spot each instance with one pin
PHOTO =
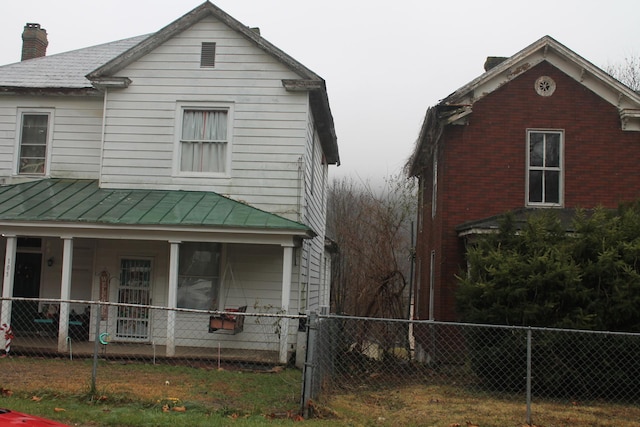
(67, 201)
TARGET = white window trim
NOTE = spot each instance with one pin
(19, 115)
(561, 168)
(217, 106)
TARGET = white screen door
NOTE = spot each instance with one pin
(135, 289)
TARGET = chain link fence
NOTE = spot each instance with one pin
(333, 354)
(149, 353)
(350, 354)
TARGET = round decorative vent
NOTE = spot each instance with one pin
(545, 86)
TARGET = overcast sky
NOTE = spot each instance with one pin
(384, 62)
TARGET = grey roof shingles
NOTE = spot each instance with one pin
(64, 70)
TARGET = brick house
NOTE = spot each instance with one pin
(544, 128)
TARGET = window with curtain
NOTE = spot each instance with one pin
(204, 141)
(34, 135)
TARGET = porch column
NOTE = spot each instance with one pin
(287, 268)
(65, 293)
(7, 283)
(172, 298)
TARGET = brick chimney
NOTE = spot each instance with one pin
(34, 41)
(492, 61)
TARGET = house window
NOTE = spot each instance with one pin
(544, 180)
(208, 55)
(199, 276)
(204, 140)
(34, 137)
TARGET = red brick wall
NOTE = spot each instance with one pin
(482, 169)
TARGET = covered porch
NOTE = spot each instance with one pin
(139, 247)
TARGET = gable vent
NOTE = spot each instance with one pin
(208, 54)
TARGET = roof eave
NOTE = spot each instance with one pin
(546, 49)
(154, 232)
(319, 101)
(103, 83)
(49, 91)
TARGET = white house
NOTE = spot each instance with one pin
(184, 169)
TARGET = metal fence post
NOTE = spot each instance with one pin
(529, 376)
(309, 363)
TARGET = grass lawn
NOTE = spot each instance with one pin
(148, 395)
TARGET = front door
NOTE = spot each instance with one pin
(26, 284)
(132, 323)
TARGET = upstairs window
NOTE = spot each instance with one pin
(33, 141)
(204, 140)
(544, 180)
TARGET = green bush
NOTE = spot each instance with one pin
(546, 273)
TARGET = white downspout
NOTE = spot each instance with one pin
(103, 134)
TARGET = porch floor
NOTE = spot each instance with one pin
(48, 347)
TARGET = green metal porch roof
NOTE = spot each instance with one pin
(68, 200)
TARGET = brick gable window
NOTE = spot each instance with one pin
(544, 168)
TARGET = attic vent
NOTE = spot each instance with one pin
(545, 86)
(208, 54)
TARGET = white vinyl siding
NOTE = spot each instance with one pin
(74, 135)
(267, 132)
(314, 215)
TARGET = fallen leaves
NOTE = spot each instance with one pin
(468, 423)
(289, 415)
(59, 410)
(6, 392)
(171, 404)
(36, 399)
